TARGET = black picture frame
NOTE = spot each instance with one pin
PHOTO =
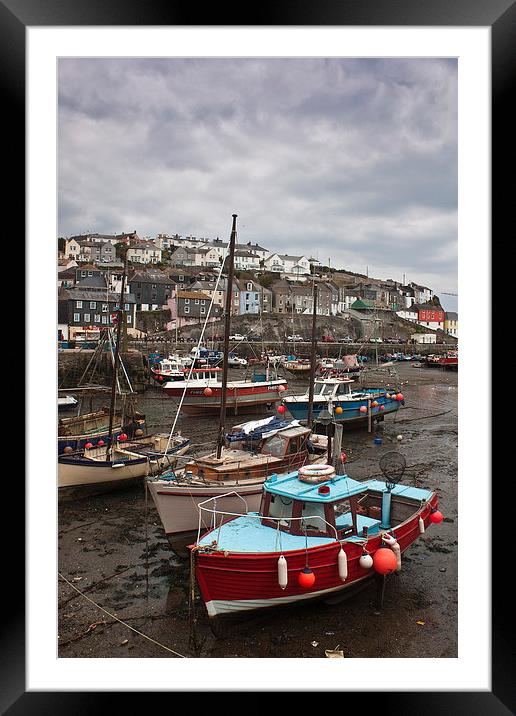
(500, 16)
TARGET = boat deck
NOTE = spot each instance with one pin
(248, 535)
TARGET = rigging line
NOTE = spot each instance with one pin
(120, 620)
(197, 350)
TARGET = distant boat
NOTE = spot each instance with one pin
(346, 405)
(73, 433)
(202, 390)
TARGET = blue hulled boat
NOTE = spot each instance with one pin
(345, 405)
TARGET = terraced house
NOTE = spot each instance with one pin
(151, 289)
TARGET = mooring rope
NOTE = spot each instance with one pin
(113, 616)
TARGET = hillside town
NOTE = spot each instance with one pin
(176, 279)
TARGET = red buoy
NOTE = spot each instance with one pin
(101, 443)
(363, 409)
(122, 436)
(374, 404)
(382, 408)
(88, 445)
(160, 377)
(343, 457)
(281, 388)
(207, 392)
(306, 578)
(436, 517)
(384, 560)
(399, 396)
(281, 409)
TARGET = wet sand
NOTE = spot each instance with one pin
(113, 548)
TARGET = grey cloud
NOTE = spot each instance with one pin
(354, 159)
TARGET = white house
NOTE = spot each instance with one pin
(409, 314)
(144, 252)
(283, 263)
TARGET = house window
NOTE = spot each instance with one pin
(97, 318)
(128, 318)
(78, 304)
(196, 300)
(104, 319)
(93, 304)
(76, 317)
(187, 300)
(105, 308)
(203, 310)
(187, 309)
(126, 307)
(87, 317)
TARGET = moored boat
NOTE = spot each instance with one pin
(351, 407)
(314, 535)
(73, 433)
(255, 451)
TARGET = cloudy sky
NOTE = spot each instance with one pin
(349, 160)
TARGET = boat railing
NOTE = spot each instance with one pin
(281, 521)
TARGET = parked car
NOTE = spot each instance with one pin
(347, 339)
(375, 340)
(295, 337)
(328, 339)
(237, 337)
(254, 337)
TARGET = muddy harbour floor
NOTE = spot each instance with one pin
(113, 549)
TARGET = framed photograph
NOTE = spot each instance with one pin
(376, 126)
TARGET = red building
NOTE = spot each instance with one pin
(430, 315)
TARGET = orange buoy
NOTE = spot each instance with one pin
(306, 578)
(338, 410)
(384, 560)
(436, 517)
(207, 392)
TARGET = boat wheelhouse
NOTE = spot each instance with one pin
(255, 450)
(316, 533)
(352, 407)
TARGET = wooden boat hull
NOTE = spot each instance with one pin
(246, 582)
(92, 427)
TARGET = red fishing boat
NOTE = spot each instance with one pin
(317, 533)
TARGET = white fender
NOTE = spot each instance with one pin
(342, 561)
(393, 544)
(366, 561)
(282, 572)
(421, 526)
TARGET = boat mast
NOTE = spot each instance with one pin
(227, 326)
(116, 360)
(312, 354)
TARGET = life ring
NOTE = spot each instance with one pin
(316, 473)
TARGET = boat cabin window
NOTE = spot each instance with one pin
(275, 445)
(314, 519)
(280, 506)
(326, 389)
(343, 515)
(344, 389)
(292, 446)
